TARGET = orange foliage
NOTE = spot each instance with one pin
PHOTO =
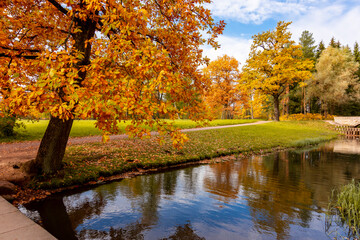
(110, 60)
(223, 95)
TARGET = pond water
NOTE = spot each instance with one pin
(278, 196)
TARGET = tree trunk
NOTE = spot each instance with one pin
(276, 108)
(252, 111)
(53, 145)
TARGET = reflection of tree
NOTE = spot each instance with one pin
(272, 188)
(223, 181)
(55, 218)
(146, 191)
(275, 190)
(184, 232)
(191, 179)
(86, 208)
(132, 231)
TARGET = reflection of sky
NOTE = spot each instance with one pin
(117, 214)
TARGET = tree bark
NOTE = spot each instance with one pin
(276, 108)
(53, 145)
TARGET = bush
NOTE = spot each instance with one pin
(305, 117)
(7, 125)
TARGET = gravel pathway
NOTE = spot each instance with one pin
(16, 153)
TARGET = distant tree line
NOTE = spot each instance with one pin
(281, 77)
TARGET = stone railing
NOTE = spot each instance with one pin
(347, 121)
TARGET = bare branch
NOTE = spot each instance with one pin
(58, 6)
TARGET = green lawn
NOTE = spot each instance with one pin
(81, 128)
(88, 162)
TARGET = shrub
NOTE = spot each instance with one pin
(304, 117)
(7, 125)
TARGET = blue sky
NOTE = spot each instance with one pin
(244, 18)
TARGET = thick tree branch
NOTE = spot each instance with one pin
(18, 56)
(58, 6)
(18, 49)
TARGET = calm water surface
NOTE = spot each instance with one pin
(279, 196)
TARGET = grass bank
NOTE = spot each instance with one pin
(34, 130)
(89, 162)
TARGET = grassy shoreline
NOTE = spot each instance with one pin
(96, 161)
(34, 130)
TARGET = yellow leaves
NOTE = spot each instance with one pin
(271, 67)
(52, 72)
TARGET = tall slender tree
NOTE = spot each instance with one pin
(307, 45)
(356, 54)
(307, 42)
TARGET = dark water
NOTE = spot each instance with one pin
(279, 196)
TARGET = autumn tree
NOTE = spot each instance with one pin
(105, 59)
(275, 63)
(335, 81)
(222, 94)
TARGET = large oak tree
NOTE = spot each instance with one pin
(275, 63)
(105, 59)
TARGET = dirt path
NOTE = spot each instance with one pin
(14, 154)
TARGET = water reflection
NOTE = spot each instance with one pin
(279, 196)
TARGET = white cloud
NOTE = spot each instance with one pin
(337, 21)
(238, 48)
(257, 11)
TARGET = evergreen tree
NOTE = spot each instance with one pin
(338, 44)
(307, 43)
(356, 54)
(321, 47)
(333, 43)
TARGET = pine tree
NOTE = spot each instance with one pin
(356, 54)
(321, 47)
(333, 43)
(307, 43)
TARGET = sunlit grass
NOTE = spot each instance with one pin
(88, 162)
(34, 130)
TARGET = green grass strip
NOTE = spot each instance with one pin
(88, 162)
(34, 130)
